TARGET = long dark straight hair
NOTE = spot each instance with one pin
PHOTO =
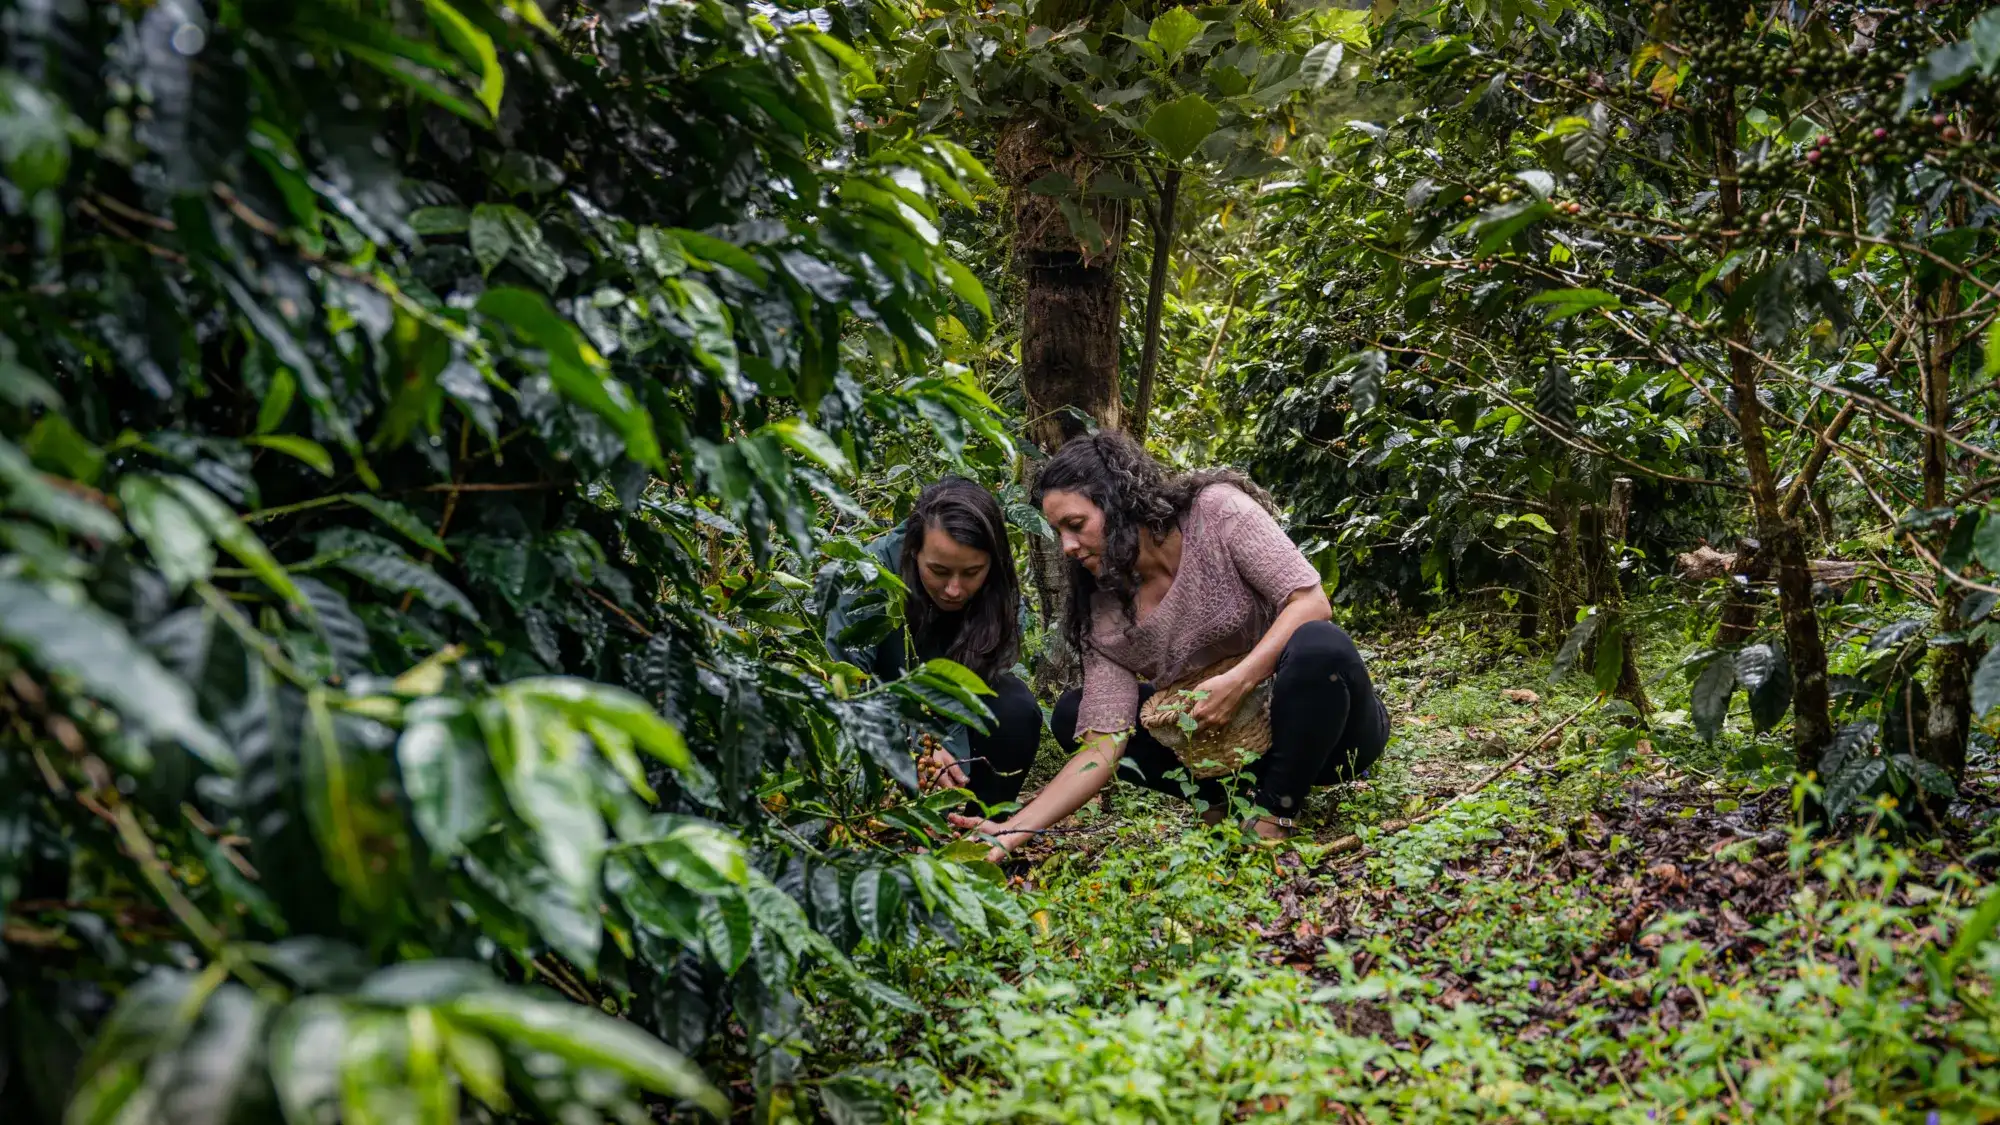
(1116, 473)
(990, 636)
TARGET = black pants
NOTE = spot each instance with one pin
(1327, 726)
(1001, 757)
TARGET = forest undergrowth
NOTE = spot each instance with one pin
(1627, 926)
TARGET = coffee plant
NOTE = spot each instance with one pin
(416, 419)
(1735, 257)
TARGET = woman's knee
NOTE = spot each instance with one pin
(1319, 650)
(1062, 722)
(1017, 718)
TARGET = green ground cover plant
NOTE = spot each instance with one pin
(1671, 950)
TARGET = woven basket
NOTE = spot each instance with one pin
(1217, 750)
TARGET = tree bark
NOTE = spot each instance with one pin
(1069, 319)
(1069, 335)
(1950, 716)
(1163, 216)
(1812, 725)
(1566, 577)
(1069, 350)
(1751, 567)
(1822, 448)
(1609, 593)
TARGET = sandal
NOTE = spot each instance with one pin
(1288, 828)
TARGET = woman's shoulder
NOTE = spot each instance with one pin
(1223, 498)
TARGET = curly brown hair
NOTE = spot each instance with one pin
(1133, 490)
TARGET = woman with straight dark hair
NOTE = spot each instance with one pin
(1174, 577)
(964, 604)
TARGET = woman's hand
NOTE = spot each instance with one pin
(1225, 694)
(985, 830)
(939, 770)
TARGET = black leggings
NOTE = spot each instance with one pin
(1001, 757)
(1327, 726)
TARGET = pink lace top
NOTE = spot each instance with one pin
(1237, 569)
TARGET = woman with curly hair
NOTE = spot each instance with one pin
(1170, 575)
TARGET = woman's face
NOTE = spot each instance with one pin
(1080, 524)
(952, 572)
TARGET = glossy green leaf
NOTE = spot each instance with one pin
(177, 539)
(1179, 126)
(587, 1038)
(401, 574)
(441, 221)
(1977, 929)
(306, 450)
(711, 251)
(151, 1019)
(576, 368)
(1174, 30)
(1562, 304)
(491, 235)
(55, 446)
(477, 1062)
(1610, 655)
(725, 927)
(306, 1043)
(277, 401)
(549, 787)
(360, 841)
(582, 699)
(235, 537)
(77, 640)
(1573, 644)
(1765, 672)
(652, 901)
(22, 489)
(1322, 64)
(855, 1100)
(403, 520)
(877, 900)
(475, 47)
(1709, 699)
(812, 443)
(699, 857)
(218, 1071)
(1986, 683)
(453, 794)
(34, 135)
(967, 286)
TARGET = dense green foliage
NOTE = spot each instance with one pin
(506, 367)
(433, 433)
(1563, 249)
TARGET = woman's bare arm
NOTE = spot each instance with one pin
(1227, 691)
(1088, 771)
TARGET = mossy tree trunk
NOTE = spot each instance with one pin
(1069, 332)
